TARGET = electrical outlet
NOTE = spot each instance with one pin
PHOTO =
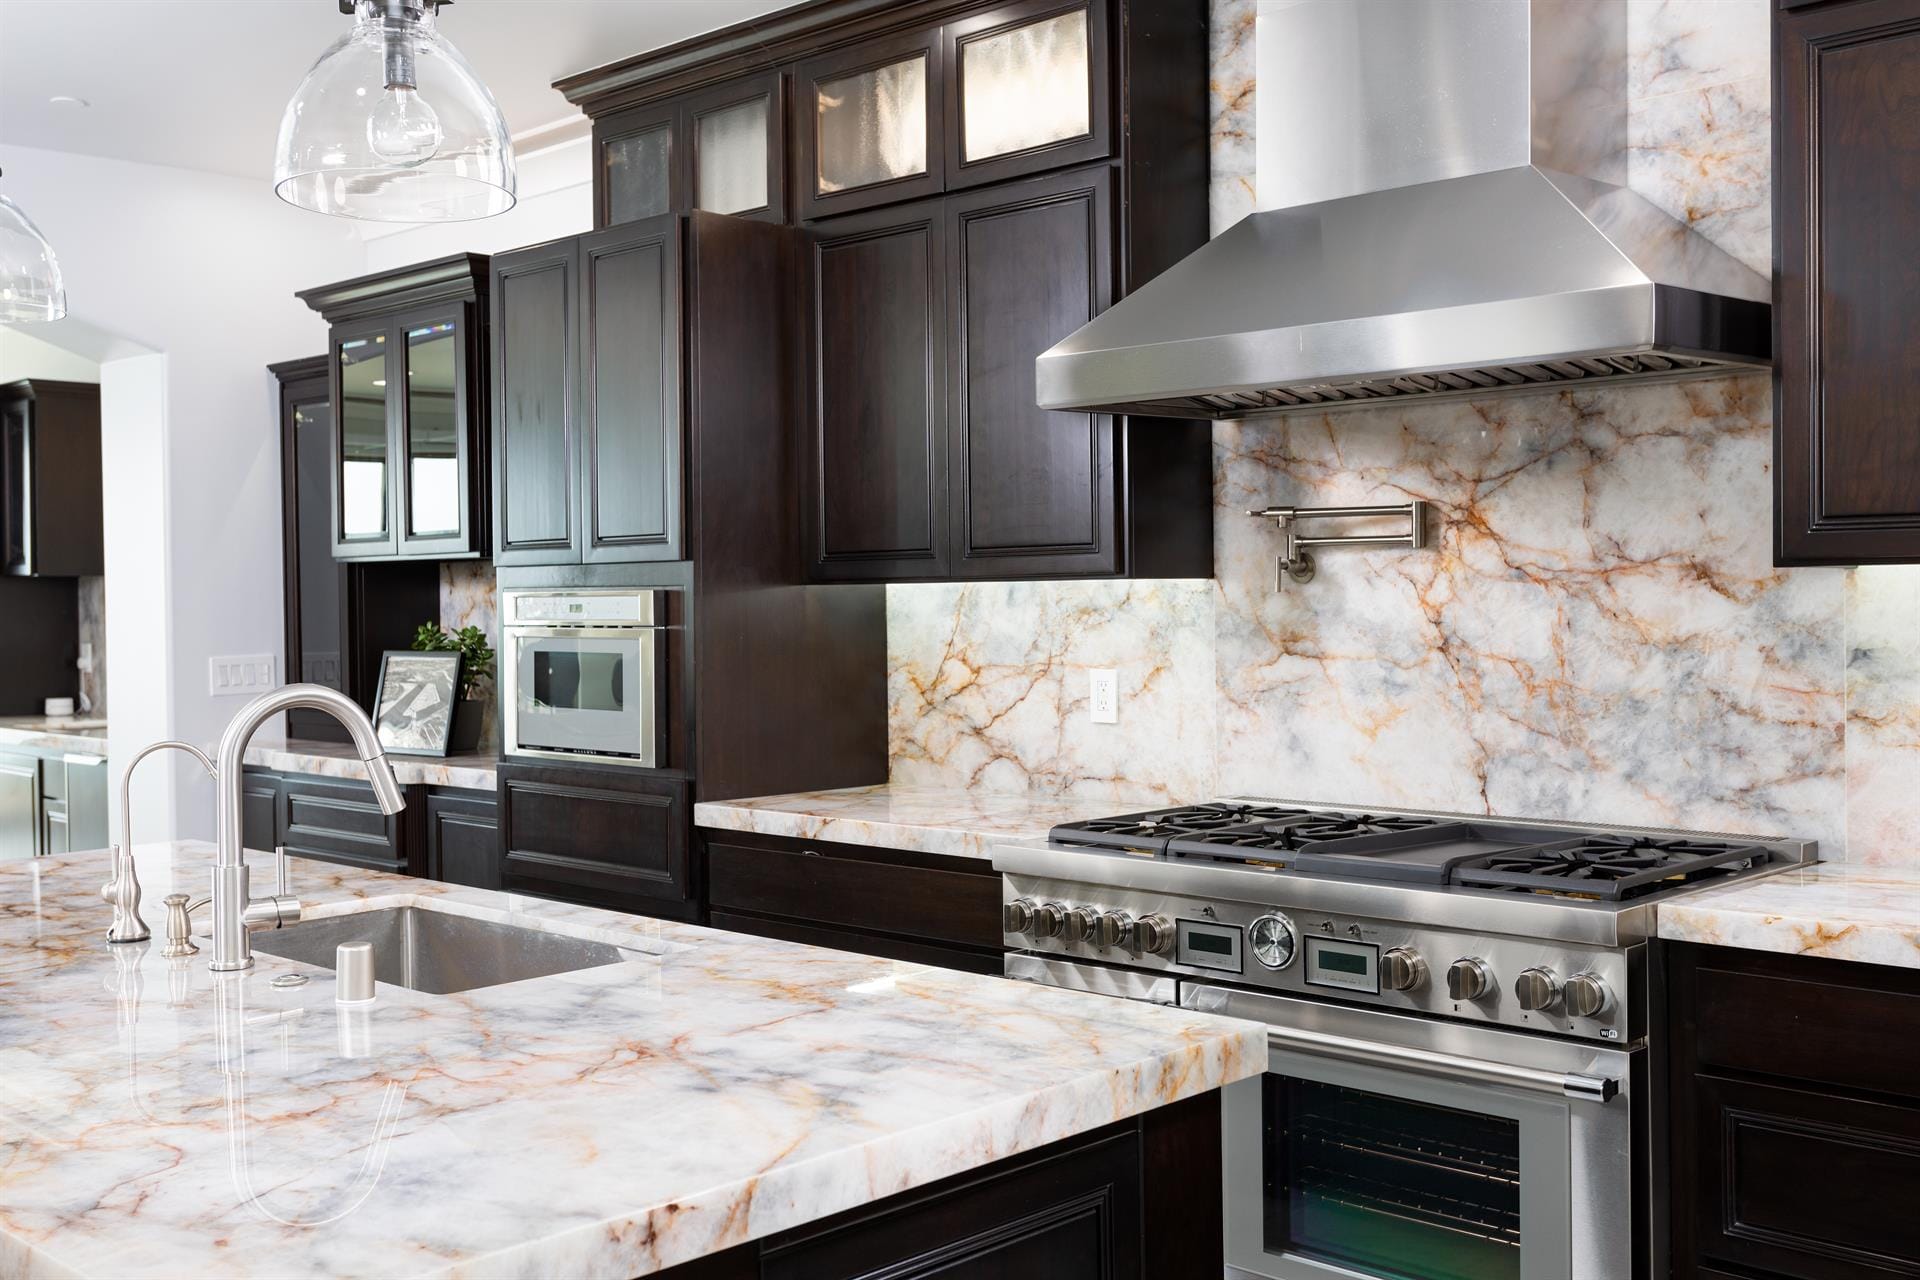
(1103, 698)
(243, 676)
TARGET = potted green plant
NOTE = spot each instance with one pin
(471, 715)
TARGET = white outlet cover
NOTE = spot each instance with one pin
(1103, 695)
(245, 675)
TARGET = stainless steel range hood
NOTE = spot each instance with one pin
(1444, 212)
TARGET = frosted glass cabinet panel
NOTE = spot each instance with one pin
(1027, 90)
(638, 178)
(869, 125)
(737, 132)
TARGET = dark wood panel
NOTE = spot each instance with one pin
(632, 456)
(815, 198)
(535, 381)
(602, 836)
(1847, 312)
(878, 328)
(338, 821)
(313, 583)
(463, 837)
(259, 809)
(866, 891)
(52, 478)
(1094, 144)
(39, 642)
(884, 946)
(1034, 488)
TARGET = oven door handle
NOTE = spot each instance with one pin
(1372, 1053)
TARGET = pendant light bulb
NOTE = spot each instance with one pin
(402, 129)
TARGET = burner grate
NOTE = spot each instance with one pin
(1151, 831)
(1609, 867)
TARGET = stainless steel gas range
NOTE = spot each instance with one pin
(1462, 1012)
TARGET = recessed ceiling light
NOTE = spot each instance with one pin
(68, 100)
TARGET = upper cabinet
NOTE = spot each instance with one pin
(50, 479)
(973, 183)
(1846, 213)
(722, 150)
(407, 364)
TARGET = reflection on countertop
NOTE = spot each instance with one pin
(965, 824)
(338, 760)
(1841, 910)
(77, 734)
(158, 1119)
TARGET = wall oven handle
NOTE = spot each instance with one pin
(1373, 1053)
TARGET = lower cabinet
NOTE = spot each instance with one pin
(1139, 1200)
(608, 838)
(444, 833)
(51, 802)
(920, 907)
(1795, 1118)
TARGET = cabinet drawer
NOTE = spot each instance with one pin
(596, 836)
(867, 891)
(338, 821)
(1787, 1016)
(1807, 1184)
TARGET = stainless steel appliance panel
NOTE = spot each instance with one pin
(582, 676)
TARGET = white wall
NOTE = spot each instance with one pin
(25, 356)
(555, 190)
(200, 269)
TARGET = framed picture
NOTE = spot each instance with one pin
(413, 715)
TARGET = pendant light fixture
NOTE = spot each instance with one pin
(30, 287)
(392, 125)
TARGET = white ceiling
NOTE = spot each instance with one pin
(200, 84)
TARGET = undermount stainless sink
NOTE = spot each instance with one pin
(438, 952)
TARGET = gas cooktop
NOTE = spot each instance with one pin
(1484, 854)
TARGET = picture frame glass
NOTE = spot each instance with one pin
(413, 714)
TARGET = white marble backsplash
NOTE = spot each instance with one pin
(1597, 632)
(467, 597)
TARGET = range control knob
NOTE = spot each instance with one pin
(1402, 969)
(1153, 935)
(1110, 929)
(1537, 990)
(1079, 926)
(1587, 996)
(1468, 978)
(1017, 916)
(1273, 941)
(1047, 920)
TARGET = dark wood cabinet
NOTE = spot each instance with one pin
(868, 124)
(876, 459)
(408, 394)
(589, 423)
(462, 837)
(918, 907)
(1138, 1200)
(339, 821)
(1029, 88)
(722, 150)
(642, 164)
(444, 833)
(1795, 1125)
(1846, 213)
(615, 838)
(50, 479)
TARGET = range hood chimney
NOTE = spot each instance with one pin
(1443, 211)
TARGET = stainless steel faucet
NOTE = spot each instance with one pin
(236, 912)
(122, 892)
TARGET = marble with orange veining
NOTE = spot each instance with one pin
(964, 824)
(338, 760)
(1840, 910)
(711, 1089)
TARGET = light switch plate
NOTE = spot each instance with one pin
(1103, 697)
(247, 675)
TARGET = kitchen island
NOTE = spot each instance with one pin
(708, 1105)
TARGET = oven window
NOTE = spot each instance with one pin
(578, 680)
(1389, 1187)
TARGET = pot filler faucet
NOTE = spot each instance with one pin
(236, 912)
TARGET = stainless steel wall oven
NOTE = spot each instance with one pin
(583, 674)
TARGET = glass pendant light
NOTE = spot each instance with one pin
(30, 287)
(392, 125)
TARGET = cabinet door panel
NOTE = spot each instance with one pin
(434, 462)
(535, 376)
(868, 123)
(463, 838)
(642, 167)
(1847, 210)
(878, 331)
(737, 133)
(1027, 90)
(19, 806)
(364, 366)
(589, 836)
(631, 459)
(336, 821)
(1034, 489)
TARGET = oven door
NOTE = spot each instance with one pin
(582, 691)
(1380, 1145)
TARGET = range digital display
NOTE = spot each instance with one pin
(1206, 945)
(1341, 962)
(1350, 966)
(1213, 944)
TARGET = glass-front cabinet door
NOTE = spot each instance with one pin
(363, 444)
(1027, 89)
(737, 135)
(434, 486)
(869, 125)
(641, 172)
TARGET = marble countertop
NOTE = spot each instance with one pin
(162, 1121)
(1841, 910)
(964, 824)
(77, 734)
(338, 760)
